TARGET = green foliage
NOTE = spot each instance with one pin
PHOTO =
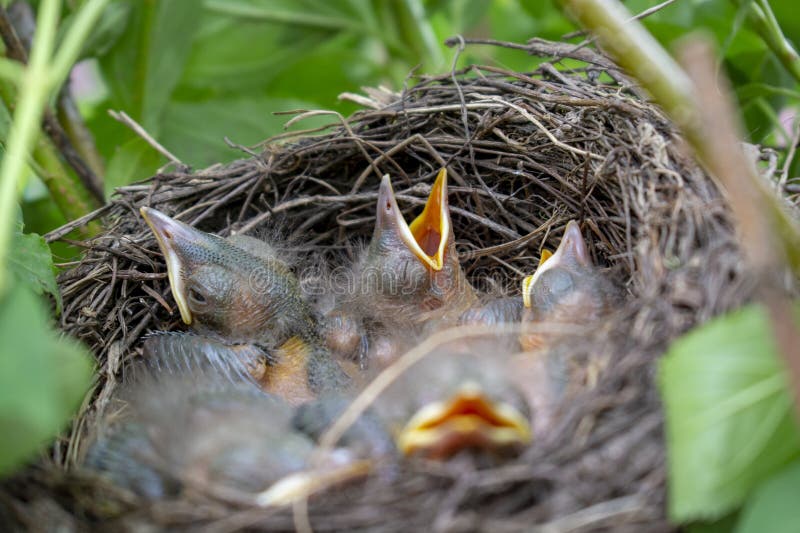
(193, 73)
(774, 507)
(106, 31)
(729, 417)
(198, 125)
(42, 378)
(31, 264)
(129, 160)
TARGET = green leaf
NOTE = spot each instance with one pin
(42, 378)
(133, 161)
(726, 524)
(145, 64)
(234, 55)
(774, 507)
(107, 31)
(195, 131)
(751, 91)
(730, 421)
(31, 264)
(295, 13)
(168, 48)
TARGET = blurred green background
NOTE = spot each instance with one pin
(193, 72)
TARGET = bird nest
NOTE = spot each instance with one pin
(526, 152)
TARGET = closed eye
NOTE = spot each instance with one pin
(197, 297)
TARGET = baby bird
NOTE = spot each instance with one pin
(200, 432)
(408, 277)
(566, 289)
(458, 398)
(238, 292)
(494, 311)
(413, 270)
(565, 293)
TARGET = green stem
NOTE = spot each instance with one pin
(66, 190)
(763, 22)
(39, 79)
(10, 70)
(33, 97)
(79, 134)
(70, 47)
(634, 49)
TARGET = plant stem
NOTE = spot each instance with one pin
(36, 85)
(634, 49)
(763, 22)
(66, 190)
(70, 48)
(78, 134)
(10, 70)
(16, 49)
(25, 125)
(61, 66)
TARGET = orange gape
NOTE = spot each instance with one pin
(429, 240)
(432, 227)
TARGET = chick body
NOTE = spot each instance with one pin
(238, 292)
(564, 296)
(200, 431)
(408, 280)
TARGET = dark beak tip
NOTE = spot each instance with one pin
(386, 201)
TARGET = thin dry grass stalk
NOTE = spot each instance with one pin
(526, 153)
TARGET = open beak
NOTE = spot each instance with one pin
(428, 234)
(571, 250)
(171, 235)
(469, 419)
(527, 282)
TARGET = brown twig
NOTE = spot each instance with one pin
(125, 119)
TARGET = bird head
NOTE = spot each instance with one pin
(414, 263)
(457, 400)
(220, 287)
(566, 288)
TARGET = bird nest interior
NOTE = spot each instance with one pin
(526, 153)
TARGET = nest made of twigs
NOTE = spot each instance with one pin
(526, 152)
